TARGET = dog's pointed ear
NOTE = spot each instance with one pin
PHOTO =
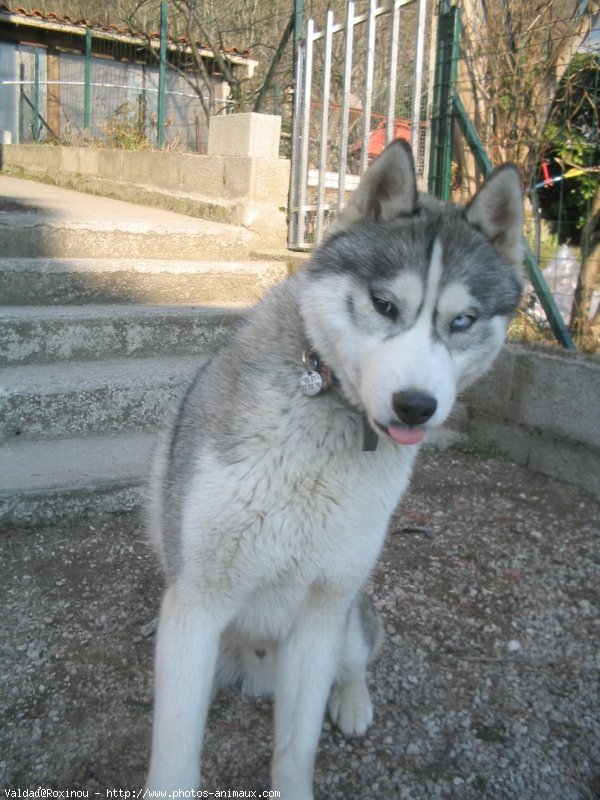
(497, 210)
(388, 188)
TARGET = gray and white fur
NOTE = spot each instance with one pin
(266, 512)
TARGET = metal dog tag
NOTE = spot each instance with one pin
(311, 383)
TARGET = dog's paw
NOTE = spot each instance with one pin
(350, 708)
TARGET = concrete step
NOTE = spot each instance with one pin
(46, 334)
(43, 482)
(106, 308)
(33, 233)
(67, 400)
(66, 281)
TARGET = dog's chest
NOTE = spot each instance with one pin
(292, 515)
(317, 532)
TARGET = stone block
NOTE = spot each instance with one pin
(237, 177)
(202, 175)
(459, 417)
(110, 164)
(257, 180)
(266, 220)
(19, 155)
(566, 461)
(139, 167)
(558, 392)
(492, 393)
(270, 181)
(48, 159)
(508, 437)
(79, 160)
(254, 135)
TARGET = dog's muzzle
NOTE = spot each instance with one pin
(414, 408)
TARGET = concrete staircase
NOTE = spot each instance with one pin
(105, 308)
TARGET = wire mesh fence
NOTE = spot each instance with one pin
(105, 89)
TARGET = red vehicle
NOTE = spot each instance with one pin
(377, 140)
(377, 137)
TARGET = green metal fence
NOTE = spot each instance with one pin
(550, 229)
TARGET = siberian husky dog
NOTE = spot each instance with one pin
(277, 475)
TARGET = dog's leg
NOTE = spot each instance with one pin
(186, 654)
(305, 670)
(350, 706)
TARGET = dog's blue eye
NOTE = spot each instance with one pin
(384, 307)
(462, 323)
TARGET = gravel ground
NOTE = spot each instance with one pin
(487, 685)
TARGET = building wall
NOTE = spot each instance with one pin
(123, 100)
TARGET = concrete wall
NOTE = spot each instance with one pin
(241, 180)
(542, 406)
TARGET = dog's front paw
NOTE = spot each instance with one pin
(350, 708)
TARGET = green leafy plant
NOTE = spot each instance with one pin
(571, 139)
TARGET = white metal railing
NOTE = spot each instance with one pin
(322, 175)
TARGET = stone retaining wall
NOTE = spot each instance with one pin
(241, 181)
(542, 407)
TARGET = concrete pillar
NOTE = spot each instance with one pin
(253, 173)
(253, 135)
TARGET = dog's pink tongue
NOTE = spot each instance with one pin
(406, 435)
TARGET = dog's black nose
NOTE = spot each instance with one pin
(414, 408)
